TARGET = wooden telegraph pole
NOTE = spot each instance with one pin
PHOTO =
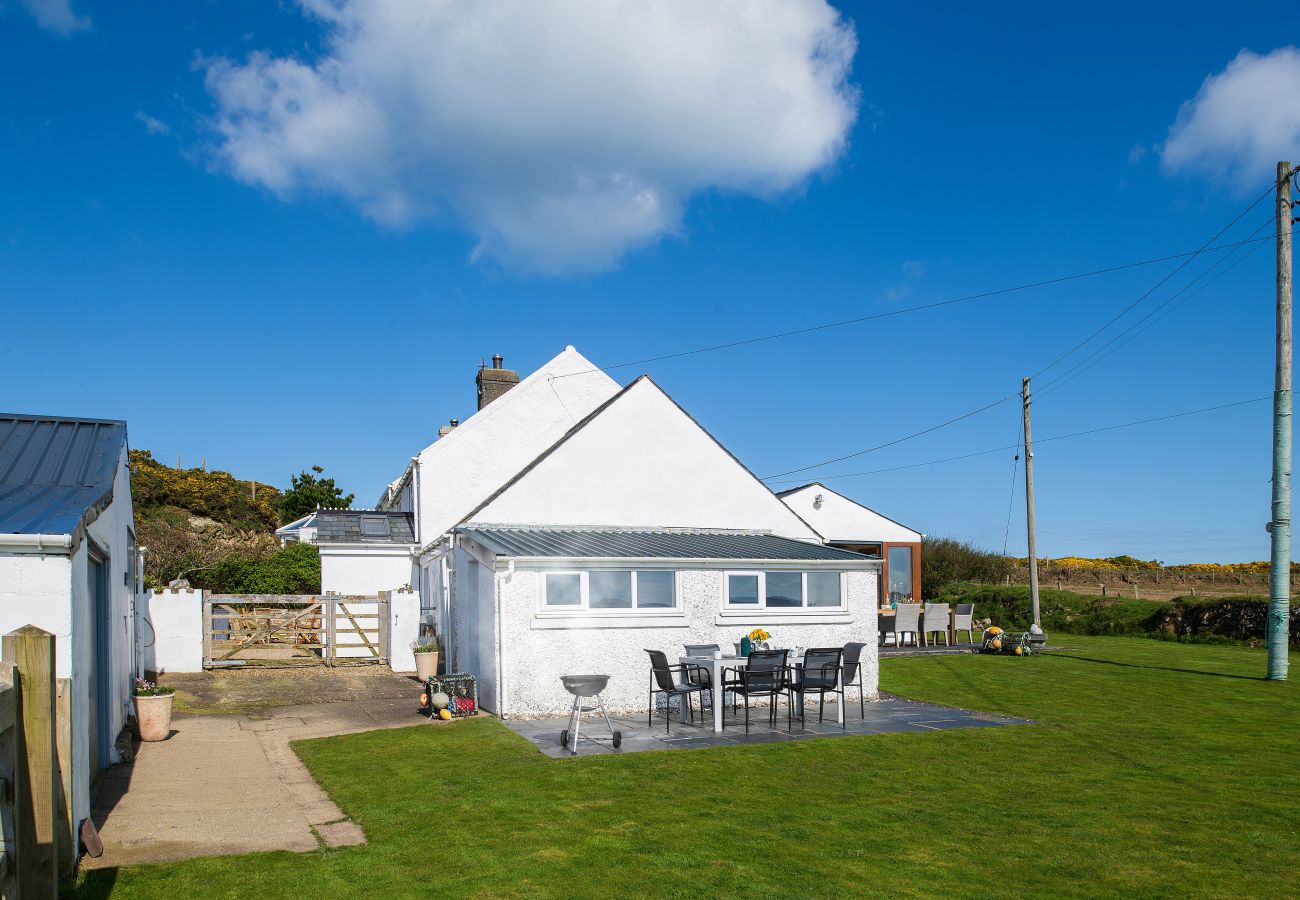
(1279, 598)
(1029, 506)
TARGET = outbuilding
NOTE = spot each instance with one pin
(68, 564)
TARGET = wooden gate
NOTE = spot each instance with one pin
(295, 629)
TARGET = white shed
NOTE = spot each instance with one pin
(67, 565)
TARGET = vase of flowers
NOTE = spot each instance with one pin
(758, 639)
(153, 709)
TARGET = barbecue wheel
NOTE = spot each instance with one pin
(618, 739)
(564, 738)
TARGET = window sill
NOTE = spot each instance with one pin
(785, 616)
(595, 619)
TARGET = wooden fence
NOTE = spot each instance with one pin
(37, 840)
(294, 629)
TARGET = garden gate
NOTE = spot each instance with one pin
(295, 629)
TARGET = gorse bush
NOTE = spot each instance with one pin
(156, 487)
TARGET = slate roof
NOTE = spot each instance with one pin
(583, 543)
(56, 473)
(363, 526)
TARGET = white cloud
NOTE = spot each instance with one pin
(56, 15)
(1241, 122)
(152, 125)
(562, 133)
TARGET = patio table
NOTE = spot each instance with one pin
(715, 667)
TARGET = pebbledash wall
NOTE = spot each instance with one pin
(538, 647)
(170, 625)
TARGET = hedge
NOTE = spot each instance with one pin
(1183, 618)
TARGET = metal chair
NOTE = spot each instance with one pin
(853, 674)
(885, 626)
(907, 620)
(672, 681)
(936, 621)
(821, 675)
(963, 620)
(765, 676)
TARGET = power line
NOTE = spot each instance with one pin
(983, 295)
(1190, 257)
(1059, 437)
(915, 434)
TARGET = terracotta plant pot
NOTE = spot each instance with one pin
(426, 665)
(153, 715)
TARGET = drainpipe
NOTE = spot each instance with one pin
(415, 496)
(135, 618)
(502, 578)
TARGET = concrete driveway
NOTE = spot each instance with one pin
(198, 792)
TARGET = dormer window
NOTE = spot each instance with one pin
(374, 527)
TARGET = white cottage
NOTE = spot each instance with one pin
(67, 565)
(570, 524)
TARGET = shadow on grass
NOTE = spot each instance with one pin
(92, 885)
(1111, 662)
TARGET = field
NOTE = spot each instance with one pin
(1156, 769)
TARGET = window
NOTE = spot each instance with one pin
(900, 574)
(611, 590)
(784, 589)
(374, 526)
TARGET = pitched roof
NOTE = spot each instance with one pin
(628, 543)
(790, 493)
(363, 526)
(56, 473)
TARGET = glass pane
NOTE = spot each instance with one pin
(900, 574)
(609, 590)
(742, 589)
(823, 588)
(785, 589)
(654, 590)
(563, 589)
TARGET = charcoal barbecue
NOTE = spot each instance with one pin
(586, 687)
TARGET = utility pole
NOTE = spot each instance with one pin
(1029, 507)
(1279, 595)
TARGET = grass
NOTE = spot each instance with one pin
(1158, 769)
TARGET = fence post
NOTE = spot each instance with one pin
(67, 823)
(386, 626)
(206, 608)
(9, 725)
(31, 650)
(331, 611)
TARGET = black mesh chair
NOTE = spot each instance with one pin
(821, 675)
(853, 673)
(702, 650)
(680, 681)
(765, 676)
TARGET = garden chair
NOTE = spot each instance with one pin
(820, 675)
(853, 674)
(672, 681)
(885, 626)
(702, 650)
(907, 620)
(936, 621)
(765, 676)
(963, 619)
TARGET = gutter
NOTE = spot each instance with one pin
(56, 544)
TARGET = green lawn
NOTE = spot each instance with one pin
(1158, 769)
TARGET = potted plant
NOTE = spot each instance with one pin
(153, 709)
(426, 658)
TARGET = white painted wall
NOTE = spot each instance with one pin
(365, 568)
(537, 650)
(404, 615)
(842, 519)
(460, 470)
(643, 463)
(171, 630)
(472, 627)
(37, 590)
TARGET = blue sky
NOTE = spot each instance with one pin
(170, 258)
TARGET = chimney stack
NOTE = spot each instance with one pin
(494, 382)
(445, 430)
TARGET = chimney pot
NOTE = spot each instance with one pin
(494, 382)
(497, 360)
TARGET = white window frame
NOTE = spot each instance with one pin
(584, 593)
(762, 606)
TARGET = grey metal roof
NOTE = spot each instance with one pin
(581, 543)
(363, 526)
(56, 473)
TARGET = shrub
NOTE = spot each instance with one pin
(294, 569)
(945, 561)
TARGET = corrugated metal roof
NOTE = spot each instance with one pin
(650, 544)
(347, 526)
(55, 472)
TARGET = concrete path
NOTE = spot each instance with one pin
(198, 792)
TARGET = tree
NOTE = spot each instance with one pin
(945, 561)
(309, 490)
